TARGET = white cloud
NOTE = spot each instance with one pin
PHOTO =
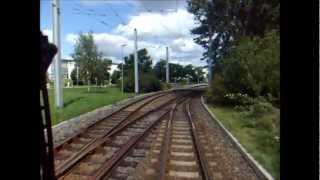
(155, 25)
(155, 31)
(72, 38)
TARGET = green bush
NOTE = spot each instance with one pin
(250, 67)
(215, 93)
(147, 83)
(183, 82)
(260, 108)
(241, 108)
(65, 82)
(238, 99)
(260, 114)
(165, 86)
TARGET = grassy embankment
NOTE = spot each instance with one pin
(260, 141)
(78, 101)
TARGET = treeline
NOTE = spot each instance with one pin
(241, 38)
(92, 69)
(154, 78)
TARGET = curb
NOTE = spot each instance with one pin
(263, 173)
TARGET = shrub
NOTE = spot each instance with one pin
(262, 115)
(241, 108)
(216, 91)
(148, 83)
(238, 99)
(260, 108)
(275, 101)
(183, 82)
(165, 86)
(66, 81)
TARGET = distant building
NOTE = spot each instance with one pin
(67, 66)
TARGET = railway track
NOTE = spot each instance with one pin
(176, 152)
(189, 148)
(165, 136)
(116, 129)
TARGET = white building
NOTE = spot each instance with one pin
(67, 66)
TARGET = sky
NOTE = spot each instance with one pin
(159, 23)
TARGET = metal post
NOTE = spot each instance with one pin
(57, 59)
(136, 70)
(209, 70)
(209, 57)
(167, 65)
(88, 81)
(122, 46)
(122, 77)
(78, 75)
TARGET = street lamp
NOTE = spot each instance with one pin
(122, 46)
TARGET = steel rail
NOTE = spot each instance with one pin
(165, 150)
(94, 144)
(112, 163)
(204, 170)
(97, 140)
(58, 146)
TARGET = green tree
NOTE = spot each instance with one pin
(176, 72)
(199, 74)
(222, 22)
(252, 67)
(116, 75)
(102, 71)
(160, 69)
(92, 67)
(190, 72)
(147, 79)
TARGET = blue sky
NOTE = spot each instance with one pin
(159, 24)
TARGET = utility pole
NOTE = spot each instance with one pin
(78, 75)
(209, 70)
(209, 57)
(167, 65)
(122, 46)
(136, 70)
(57, 59)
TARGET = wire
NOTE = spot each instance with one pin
(92, 14)
(162, 23)
(117, 15)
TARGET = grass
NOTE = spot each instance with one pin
(78, 101)
(258, 141)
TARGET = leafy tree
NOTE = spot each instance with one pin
(102, 70)
(199, 74)
(222, 22)
(147, 79)
(190, 72)
(160, 69)
(92, 67)
(144, 64)
(176, 72)
(252, 67)
(116, 75)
